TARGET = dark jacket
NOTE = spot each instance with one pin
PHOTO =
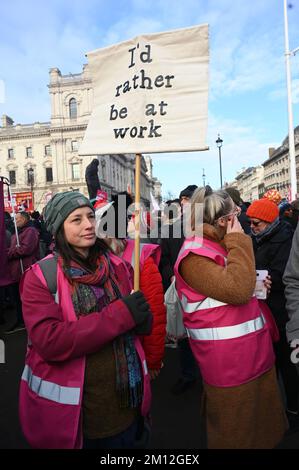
(272, 253)
(28, 251)
(171, 244)
(244, 220)
(92, 178)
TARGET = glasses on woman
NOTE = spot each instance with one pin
(236, 213)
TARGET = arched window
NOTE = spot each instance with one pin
(73, 108)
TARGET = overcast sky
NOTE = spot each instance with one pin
(247, 90)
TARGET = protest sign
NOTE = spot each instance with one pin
(150, 94)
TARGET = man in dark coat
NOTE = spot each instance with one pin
(92, 178)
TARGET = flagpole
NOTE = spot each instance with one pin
(137, 222)
(290, 109)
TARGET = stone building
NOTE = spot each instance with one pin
(43, 156)
(249, 182)
(274, 173)
(277, 166)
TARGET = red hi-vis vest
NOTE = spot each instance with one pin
(231, 343)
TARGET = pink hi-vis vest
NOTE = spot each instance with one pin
(231, 343)
(51, 393)
(146, 250)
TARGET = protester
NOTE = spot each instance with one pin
(215, 279)
(84, 364)
(9, 224)
(172, 212)
(150, 277)
(20, 257)
(92, 178)
(291, 281)
(272, 241)
(171, 243)
(295, 211)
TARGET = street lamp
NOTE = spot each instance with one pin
(31, 182)
(203, 177)
(219, 143)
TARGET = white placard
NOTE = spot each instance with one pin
(150, 94)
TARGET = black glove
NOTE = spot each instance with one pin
(140, 311)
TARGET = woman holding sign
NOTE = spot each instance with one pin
(215, 279)
(85, 380)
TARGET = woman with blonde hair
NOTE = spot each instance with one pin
(228, 334)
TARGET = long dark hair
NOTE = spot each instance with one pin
(68, 253)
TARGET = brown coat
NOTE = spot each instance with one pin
(249, 416)
(233, 284)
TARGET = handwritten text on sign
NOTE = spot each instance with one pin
(150, 94)
(141, 81)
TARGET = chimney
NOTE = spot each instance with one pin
(271, 151)
(6, 121)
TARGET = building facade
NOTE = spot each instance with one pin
(274, 173)
(277, 166)
(250, 183)
(43, 157)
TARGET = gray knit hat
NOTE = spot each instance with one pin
(60, 207)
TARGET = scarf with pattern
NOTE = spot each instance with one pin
(91, 292)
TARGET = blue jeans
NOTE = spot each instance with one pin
(123, 440)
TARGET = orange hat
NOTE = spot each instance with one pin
(273, 195)
(263, 209)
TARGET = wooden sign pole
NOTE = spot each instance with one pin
(137, 222)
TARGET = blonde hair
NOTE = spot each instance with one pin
(213, 206)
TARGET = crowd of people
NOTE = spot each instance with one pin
(95, 344)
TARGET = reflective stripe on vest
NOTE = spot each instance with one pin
(50, 390)
(191, 307)
(227, 332)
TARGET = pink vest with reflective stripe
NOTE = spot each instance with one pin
(50, 391)
(231, 343)
(146, 250)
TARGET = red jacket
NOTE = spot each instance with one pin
(152, 288)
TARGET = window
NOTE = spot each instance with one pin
(28, 152)
(75, 171)
(49, 175)
(48, 150)
(12, 177)
(75, 146)
(11, 153)
(73, 108)
(30, 176)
